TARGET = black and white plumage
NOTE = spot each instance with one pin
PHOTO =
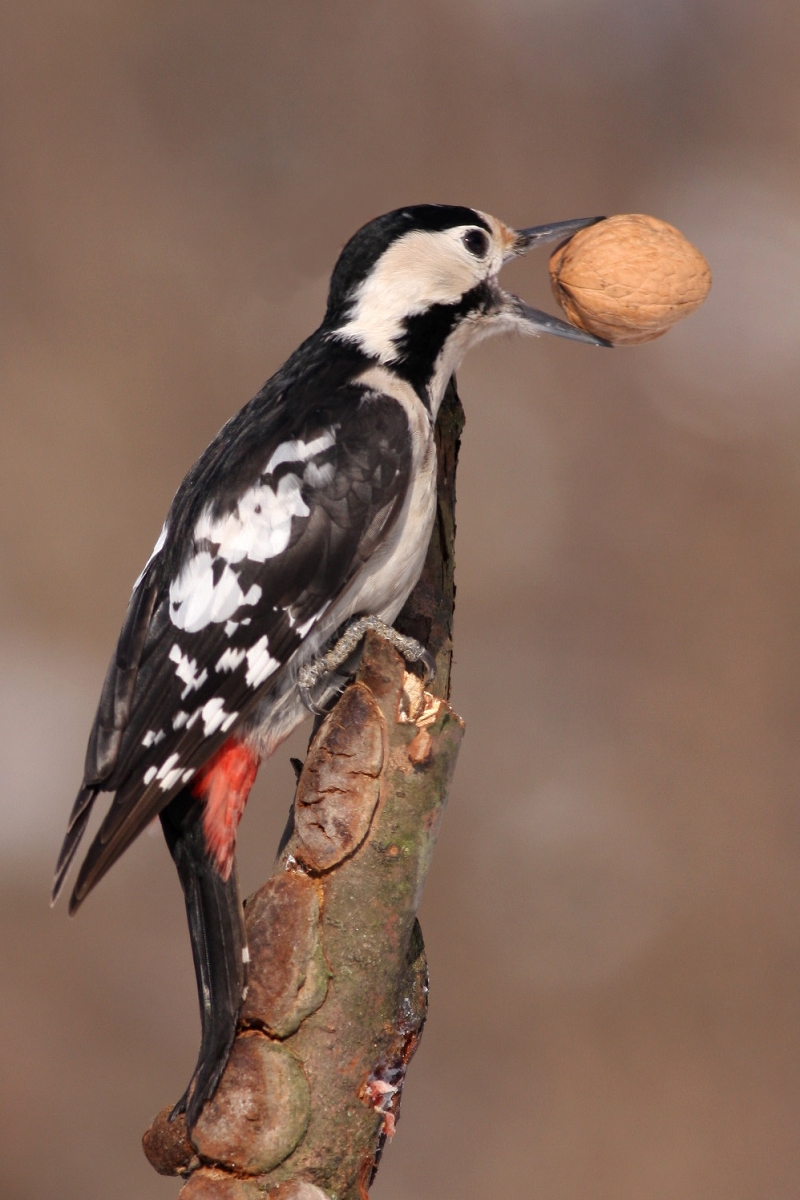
(312, 506)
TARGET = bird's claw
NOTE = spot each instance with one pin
(429, 663)
(312, 673)
(304, 688)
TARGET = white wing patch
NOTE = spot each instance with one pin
(258, 528)
(153, 737)
(186, 670)
(297, 450)
(195, 600)
(230, 659)
(214, 716)
(260, 525)
(260, 664)
(168, 774)
(319, 476)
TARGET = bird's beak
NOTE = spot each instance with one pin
(532, 320)
(542, 235)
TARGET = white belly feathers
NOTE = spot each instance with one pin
(387, 580)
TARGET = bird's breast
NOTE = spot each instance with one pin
(388, 578)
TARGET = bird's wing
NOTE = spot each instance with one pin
(263, 536)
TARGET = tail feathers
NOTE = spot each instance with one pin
(216, 928)
(78, 820)
(121, 825)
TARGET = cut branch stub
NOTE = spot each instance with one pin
(338, 790)
(167, 1147)
(216, 1185)
(338, 985)
(288, 977)
(298, 1189)
(259, 1111)
(356, 1046)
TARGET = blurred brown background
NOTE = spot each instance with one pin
(613, 914)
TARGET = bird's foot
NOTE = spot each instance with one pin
(314, 672)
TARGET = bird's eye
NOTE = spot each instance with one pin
(476, 242)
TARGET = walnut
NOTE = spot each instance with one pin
(628, 278)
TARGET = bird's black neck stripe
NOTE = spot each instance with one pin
(425, 334)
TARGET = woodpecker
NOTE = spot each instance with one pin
(308, 515)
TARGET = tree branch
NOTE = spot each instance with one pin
(337, 993)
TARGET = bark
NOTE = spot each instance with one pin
(338, 984)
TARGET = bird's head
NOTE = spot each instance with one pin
(415, 288)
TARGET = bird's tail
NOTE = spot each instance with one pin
(216, 928)
(78, 820)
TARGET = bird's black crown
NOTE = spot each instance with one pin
(366, 246)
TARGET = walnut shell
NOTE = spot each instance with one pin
(628, 278)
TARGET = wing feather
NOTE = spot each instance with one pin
(258, 544)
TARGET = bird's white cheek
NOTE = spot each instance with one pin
(420, 270)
